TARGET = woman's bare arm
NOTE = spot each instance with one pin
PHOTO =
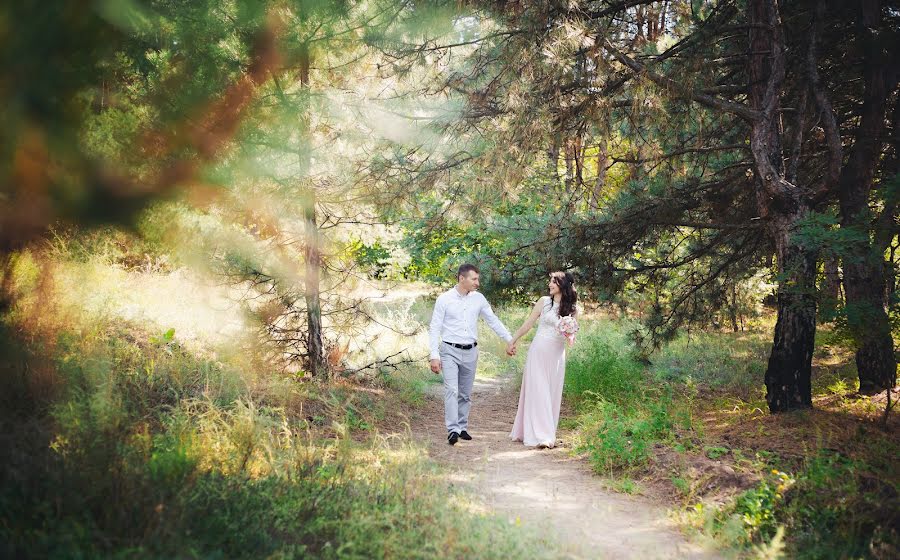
(530, 321)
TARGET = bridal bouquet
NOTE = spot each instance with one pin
(568, 327)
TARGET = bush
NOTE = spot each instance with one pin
(623, 436)
(842, 508)
(622, 412)
(601, 366)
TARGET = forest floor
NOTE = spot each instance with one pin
(548, 491)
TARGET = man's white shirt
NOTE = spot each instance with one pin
(455, 319)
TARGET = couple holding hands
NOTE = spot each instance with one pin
(454, 354)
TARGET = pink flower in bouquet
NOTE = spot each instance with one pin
(568, 327)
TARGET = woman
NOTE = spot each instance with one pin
(545, 366)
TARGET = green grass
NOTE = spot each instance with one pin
(155, 497)
(846, 499)
(119, 441)
(834, 503)
(622, 412)
(751, 517)
(410, 382)
(601, 367)
(833, 507)
(715, 360)
(139, 458)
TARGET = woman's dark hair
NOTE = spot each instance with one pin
(566, 283)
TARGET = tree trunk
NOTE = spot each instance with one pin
(578, 152)
(831, 285)
(864, 264)
(553, 162)
(662, 17)
(890, 276)
(318, 367)
(788, 375)
(830, 289)
(315, 349)
(600, 182)
(886, 226)
(783, 205)
(733, 308)
(874, 358)
(639, 38)
(868, 320)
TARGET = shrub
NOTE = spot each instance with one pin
(619, 436)
(598, 369)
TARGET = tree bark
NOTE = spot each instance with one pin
(890, 276)
(315, 349)
(831, 284)
(578, 153)
(311, 293)
(733, 308)
(783, 206)
(886, 229)
(864, 271)
(868, 320)
(789, 372)
(553, 162)
(600, 181)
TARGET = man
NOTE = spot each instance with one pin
(454, 346)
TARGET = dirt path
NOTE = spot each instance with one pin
(547, 490)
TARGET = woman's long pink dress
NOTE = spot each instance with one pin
(542, 383)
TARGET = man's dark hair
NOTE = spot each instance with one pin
(465, 269)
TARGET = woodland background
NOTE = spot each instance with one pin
(222, 225)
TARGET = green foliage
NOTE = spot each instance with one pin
(150, 452)
(756, 507)
(506, 240)
(373, 258)
(437, 251)
(621, 437)
(601, 364)
(842, 507)
(715, 360)
(833, 507)
(622, 413)
(681, 485)
(596, 369)
(714, 452)
(626, 486)
(821, 231)
(101, 90)
(828, 506)
(752, 517)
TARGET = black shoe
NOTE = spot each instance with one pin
(452, 438)
(465, 435)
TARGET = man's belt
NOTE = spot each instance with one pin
(462, 346)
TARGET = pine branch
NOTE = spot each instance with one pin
(680, 90)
